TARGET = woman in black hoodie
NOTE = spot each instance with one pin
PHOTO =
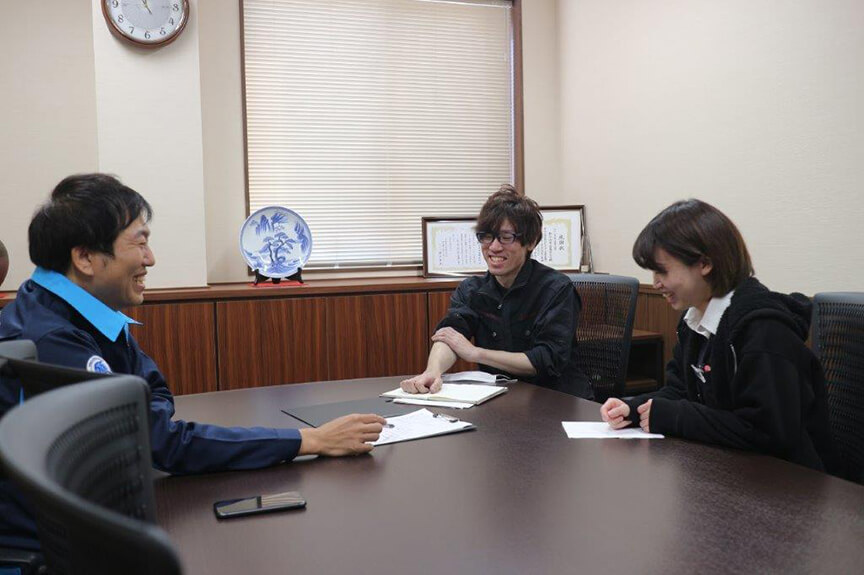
(741, 375)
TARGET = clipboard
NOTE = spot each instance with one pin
(420, 424)
(319, 414)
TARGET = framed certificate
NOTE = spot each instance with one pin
(450, 247)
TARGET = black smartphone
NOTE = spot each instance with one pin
(258, 504)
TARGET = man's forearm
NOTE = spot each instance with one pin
(441, 358)
(516, 363)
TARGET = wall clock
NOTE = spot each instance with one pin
(146, 23)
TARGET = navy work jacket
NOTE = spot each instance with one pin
(71, 327)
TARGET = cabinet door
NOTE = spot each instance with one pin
(180, 337)
(376, 335)
(270, 342)
(439, 303)
(654, 314)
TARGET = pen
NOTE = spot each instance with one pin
(389, 425)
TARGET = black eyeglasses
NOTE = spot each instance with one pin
(504, 238)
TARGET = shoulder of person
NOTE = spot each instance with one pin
(771, 334)
(471, 283)
(548, 274)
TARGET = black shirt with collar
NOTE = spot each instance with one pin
(537, 316)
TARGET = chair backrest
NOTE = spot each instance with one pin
(838, 342)
(18, 349)
(81, 455)
(18, 361)
(605, 330)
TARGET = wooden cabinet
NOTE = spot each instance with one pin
(231, 337)
(271, 341)
(376, 335)
(181, 339)
(439, 303)
(645, 367)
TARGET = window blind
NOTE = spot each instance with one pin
(365, 115)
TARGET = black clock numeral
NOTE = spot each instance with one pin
(120, 18)
(176, 7)
(115, 3)
(171, 21)
(131, 29)
(147, 35)
(162, 31)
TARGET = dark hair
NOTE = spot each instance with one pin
(694, 231)
(520, 210)
(87, 210)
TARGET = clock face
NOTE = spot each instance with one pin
(146, 22)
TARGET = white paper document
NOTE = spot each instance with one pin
(427, 403)
(459, 392)
(476, 377)
(419, 424)
(601, 430)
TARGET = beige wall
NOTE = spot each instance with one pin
(756, 106)
(222, 120)
(47, 113)
(222, 105)
(75, 99)
(149, 130)
(168, 122)
(541, 93)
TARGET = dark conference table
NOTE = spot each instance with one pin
(513, 496)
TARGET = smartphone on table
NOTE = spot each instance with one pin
(258, 504)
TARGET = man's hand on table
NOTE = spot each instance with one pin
(423, 383)
(346, 435)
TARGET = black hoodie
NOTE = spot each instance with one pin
(765, 391)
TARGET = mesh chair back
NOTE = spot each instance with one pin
(838, 341)
(81, 454)
(18, 349)
(605, 330)
(18, 361)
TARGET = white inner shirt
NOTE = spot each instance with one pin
(706, 324)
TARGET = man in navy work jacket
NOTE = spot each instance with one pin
(90, 245)
(522, 315)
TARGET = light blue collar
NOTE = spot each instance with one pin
(103, 318)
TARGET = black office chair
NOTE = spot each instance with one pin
(27, 561)
(838, 342)
(81, 455)
(18, 349)
(605, 330)
(18, 361)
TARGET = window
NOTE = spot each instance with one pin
(365, 115)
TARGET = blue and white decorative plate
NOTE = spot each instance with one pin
(275, 241)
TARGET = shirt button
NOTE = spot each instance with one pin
(494, 334)
(500, 305)
(527, 332)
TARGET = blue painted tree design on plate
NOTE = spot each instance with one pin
(302, 237)
(277, 255)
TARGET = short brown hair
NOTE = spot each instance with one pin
(520, 210)
(694, 231)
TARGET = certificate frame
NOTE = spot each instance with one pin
(448, 243)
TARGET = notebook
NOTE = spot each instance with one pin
(476, 377)
(474, 394)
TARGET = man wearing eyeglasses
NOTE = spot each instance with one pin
(521, 315)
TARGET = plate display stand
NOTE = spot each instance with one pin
(276, 243)
(261, 280)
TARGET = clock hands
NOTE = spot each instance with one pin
(148, 7)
